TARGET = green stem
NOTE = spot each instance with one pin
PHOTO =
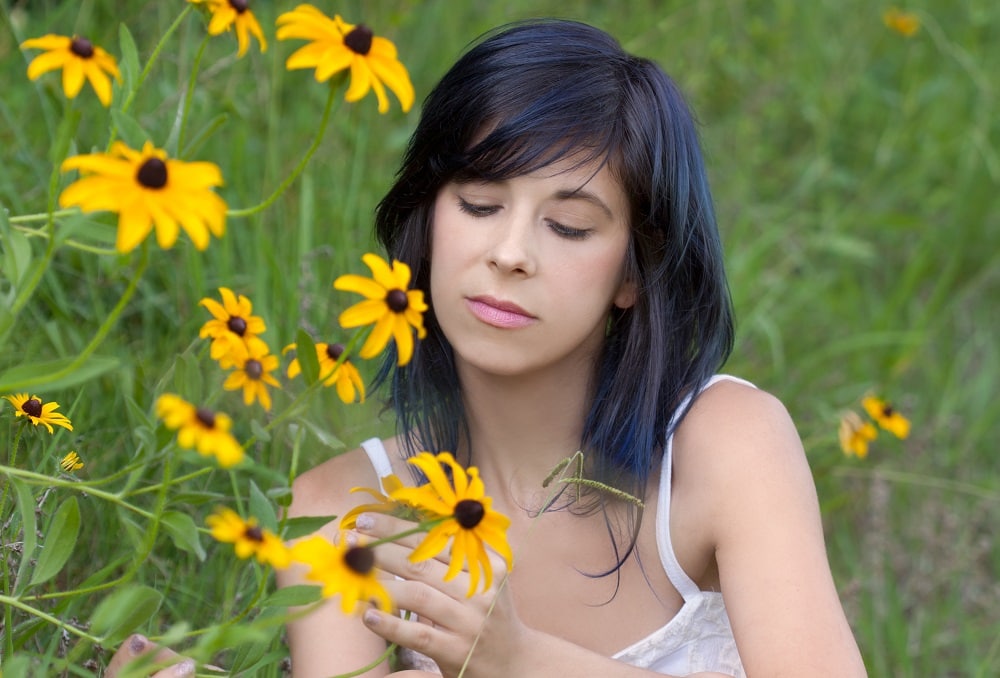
(176, 481)
(69, 242)
(423, 526)
(50, 481)
(365, 669)
(192, 81)
(922, 481)
(247, 211)
(15, 602)
(41, 216)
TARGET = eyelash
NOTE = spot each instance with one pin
(481, 211)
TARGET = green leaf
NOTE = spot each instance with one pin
(305, 351)
(16, 250)
(324, 436)
(84, 227)
(26, 507)
(60, 538)
(48, 373)
(262, 508)
(130, 58)
(132, 133)
(203, 135)
(124, 611)
(293, 596)
(188, 373)
(19, 666)
(304, 525)
(259, 432)
(183, 532)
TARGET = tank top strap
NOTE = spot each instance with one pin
(379, 458)
(678, 577)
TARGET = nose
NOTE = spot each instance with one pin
(513, 250)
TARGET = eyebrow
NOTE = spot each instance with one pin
(586, 196)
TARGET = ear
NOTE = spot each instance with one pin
(625, 297)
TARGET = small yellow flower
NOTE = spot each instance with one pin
(466, 515)
(233, 329)
(905, 23)
(200, 429)
(146, 189)
(253, 375)
(385, 504)
(71, 462)
(345, 377)
(388, 305)
(855, 435)
(37, 412)
(342, 569)
(79, 59)
(229, 13)
(337, 45)
(886, 417)
(248, 538)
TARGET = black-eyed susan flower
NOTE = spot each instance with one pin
(201, 429)
(38, 412)
(388, 305)
(385, 504)
(855, 435)
(253, 375)
(146, 189)
(336, 45)
(71, 462)
(79, 59)
(234, 329)
(345, 377)
(229, 13)
(248, 538)
(905, 23)
(465, 514)
(886, 417)
(342, 569)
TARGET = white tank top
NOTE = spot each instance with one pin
(698, 638)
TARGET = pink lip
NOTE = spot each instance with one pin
(497, 313)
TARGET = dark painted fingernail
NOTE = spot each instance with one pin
(137, 643)
(371, 618)
(184, 669)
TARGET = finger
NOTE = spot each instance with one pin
(383, 526)
(139, 656)
(426, 639)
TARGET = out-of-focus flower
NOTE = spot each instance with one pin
(905, 23)
(201, 429)
(79, 59)
(248, 538)
(465, 513)
(146, 189)
(886, 417)
(855, 435)
(345, 376)
(229, 13)
(253, 375)
(38, 413)
(336, 45)
(342, 569)
(233, 329)
(385, 504)
(71, 462)
(388, 305)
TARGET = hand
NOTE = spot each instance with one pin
(451, 628)
(137, 646)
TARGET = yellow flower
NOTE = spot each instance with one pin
(345, 376)
(904, 23)
(146, 188)
(342, 569)
(200, 429)
(253, 375)
(855, 435)
(248, 538)
(229, 13)
(385, 504)
(79, 58)
(71, 462)
(337, 45)
(886, 417)
(233, 330)
(465, 513)
(38, 412)
(388, 305)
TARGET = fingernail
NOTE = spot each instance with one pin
(137, 643)
(371, 618)
(184, 669)
(365, 521)
(351, 538)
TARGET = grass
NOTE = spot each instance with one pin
(855, 173)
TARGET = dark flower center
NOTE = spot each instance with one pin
(82, 47)
(237, 325)
(32, 407)
(334, 351)
(360, 559)
(253, 368)
(153, 173)
(887, 411)
(469, 513)
(397, 301)
(239, 5)
(359, 40)
(254, 533)
(206, 417)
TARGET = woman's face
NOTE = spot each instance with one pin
(525, 271)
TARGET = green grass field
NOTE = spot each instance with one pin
(855, 172)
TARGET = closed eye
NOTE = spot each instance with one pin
(568, 231)
(475, 210)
